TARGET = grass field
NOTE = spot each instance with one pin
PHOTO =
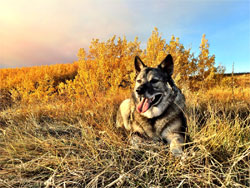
(65, 143)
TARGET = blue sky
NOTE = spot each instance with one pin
(51, 31)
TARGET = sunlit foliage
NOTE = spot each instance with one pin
(108, 67)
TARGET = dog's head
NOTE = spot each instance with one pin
(151, 91)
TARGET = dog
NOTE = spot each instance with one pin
(155, 110)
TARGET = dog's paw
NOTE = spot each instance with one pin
(176, 146)
(135, 141)
(177, 151)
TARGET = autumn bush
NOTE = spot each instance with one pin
(107, 67)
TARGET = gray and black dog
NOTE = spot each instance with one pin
(155, 109)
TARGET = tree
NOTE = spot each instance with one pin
(205, 67)
(155, 51)
(184, 61)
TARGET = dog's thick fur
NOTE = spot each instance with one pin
(155, 109)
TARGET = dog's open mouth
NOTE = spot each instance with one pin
(146, 103)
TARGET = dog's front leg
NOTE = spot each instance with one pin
(174, 137)
(176, 141)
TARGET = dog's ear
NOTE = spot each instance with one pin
(138, 64)
(167, 65)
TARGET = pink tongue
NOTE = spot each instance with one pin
(143, 106)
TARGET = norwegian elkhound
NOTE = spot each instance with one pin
(155, 109)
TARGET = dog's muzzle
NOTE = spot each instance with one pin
(141, 89)
(146, 103)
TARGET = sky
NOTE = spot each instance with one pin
(44, 32)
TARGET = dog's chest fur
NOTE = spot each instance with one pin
(153, 128)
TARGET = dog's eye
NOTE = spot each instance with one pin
(154, 81)
(138, 81)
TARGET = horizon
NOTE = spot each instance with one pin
(44, 33)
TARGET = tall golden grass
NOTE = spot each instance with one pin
(76, 144)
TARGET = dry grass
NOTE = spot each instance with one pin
(75, 144)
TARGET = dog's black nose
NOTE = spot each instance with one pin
(141, 89)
